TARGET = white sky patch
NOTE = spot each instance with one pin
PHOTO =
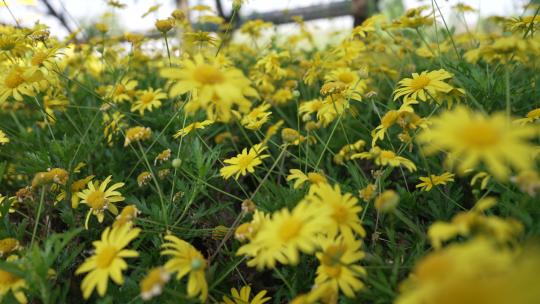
(88, 11)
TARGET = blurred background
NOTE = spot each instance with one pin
(65, 16)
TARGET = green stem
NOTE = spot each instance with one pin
(41, 200)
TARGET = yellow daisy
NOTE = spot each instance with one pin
(10, 282)
(192, 127)
(343, 209)
(99, 198)
(153, 283)
(212, 86)
(147, 100)
(108, 259)
(472, 138)
(3, 138)
(432, 180)
(339, 265)
(423, 85)
(186, 259)
(280, 238)
(244, 162)
(243, 297)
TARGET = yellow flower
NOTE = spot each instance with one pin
(387, 201)
(475, 221)
(153, 283)
(163, 156)
(528, 182)
(423, 85)
(164, 25)
(213, 87)
(76, 187)
(531, 117)
(12, 282)
(477, 271)
(243, 297)
(192, 127)
(17, 83)
(144, 178)
(257, 117)
(122, 91)
(368, 193)
(113, 124)
(339, 264)
(244, 162)
(99, 198)
(9, 245)
(108, 259)
(126, 217)
(432, 180)
(147, 100)
(343, 209)
(136, 134)
(280, 238)
(186, 259)
(386, 158)
(300, 178)
(3, 138)
(473, 138)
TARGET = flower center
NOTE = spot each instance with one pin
(339, 214)
(420, 82)
(120, 89)
(332, 255)
(96, 200)
(147, 98)
(479, 135)
(387, 154)
(38, 58)
(208, 75)
(13, 80)
(244, 161)
(290, 229)
(106, 256)
(347, 78)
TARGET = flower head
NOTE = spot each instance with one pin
(100, 198)
(244, 162)
(472, 138)
(185, 259)
(108, 259)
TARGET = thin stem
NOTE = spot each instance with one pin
(168, 51)
(41, 200)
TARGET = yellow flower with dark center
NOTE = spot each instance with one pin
(472, 138)
(185, 259)
(243, 297)
(244, 162)
(108, 259)
(100, 198)
(424, 85)
(148, 100)
(432, 180)
(339, 264)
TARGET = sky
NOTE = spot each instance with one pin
(87, 11)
